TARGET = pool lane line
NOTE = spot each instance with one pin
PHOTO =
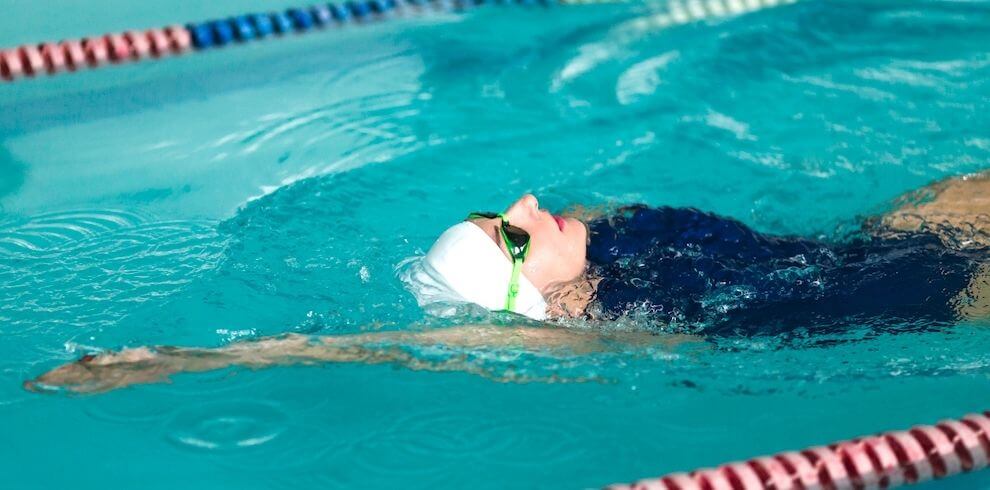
(92, 52)
(679, 12)
(49, 58)
(28, 61)
(884, 460)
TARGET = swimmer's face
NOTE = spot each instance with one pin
(557, 245)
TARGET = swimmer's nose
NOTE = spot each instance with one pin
(530, 202)
(527, 203)
(525, 207)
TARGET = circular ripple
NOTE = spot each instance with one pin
(303, 449)
(252, 436)
(226, 426)
(423, 442)
(536, 442)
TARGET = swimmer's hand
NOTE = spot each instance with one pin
(105, 372)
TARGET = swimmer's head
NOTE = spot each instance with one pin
(471, 263)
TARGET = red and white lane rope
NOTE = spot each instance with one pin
(883, 461)
(50, 58)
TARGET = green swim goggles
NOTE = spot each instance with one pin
(517, 242)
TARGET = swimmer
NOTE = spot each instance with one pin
(684, 270)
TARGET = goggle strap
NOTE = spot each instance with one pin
(510, 298)
(480, 215)
(517, 257)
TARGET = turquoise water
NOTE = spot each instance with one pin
(276, 187)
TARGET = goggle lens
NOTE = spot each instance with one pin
(517, 237)
(517, 242)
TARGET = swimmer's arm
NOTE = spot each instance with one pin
(112, 370)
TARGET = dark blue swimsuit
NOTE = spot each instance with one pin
(695, 269)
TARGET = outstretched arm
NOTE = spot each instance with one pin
(112, 370)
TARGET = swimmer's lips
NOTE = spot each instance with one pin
(560, 222)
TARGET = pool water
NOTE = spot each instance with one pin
(276, 187)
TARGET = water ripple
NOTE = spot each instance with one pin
(45, 231)
(132, 407)
(642, 78)
(412, 440)
(82, 268)
(226, 426)
(619, 40)
(537, 441)
(297, 449)
(422, 443)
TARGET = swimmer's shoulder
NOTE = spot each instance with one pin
(957, 210)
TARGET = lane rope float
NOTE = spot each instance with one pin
(49, 58)
(886, 460)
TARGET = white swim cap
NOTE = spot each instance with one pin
(465, 265)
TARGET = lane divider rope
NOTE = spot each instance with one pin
(49, 58)
(31, 60)
(886, 460)
(92, 52)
